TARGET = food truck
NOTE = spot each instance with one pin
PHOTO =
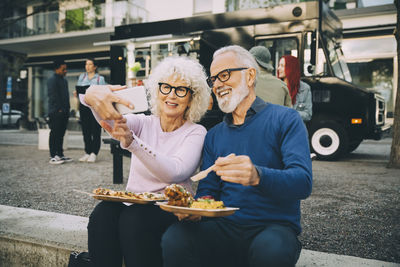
(343, 114)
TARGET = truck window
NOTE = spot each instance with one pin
(308, 66)
(321, 67)
(279, 48)
(343, 64)
(336, 58)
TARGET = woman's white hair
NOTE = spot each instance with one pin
(243, 57)
(187, 70)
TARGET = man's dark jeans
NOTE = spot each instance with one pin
(219, 242)
(58, 125)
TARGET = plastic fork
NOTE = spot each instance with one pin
(202, 174)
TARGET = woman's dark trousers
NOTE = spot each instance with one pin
(133, 233)
(91, 130)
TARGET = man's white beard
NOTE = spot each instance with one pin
(228, 105)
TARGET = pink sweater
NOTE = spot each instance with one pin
(161, 158)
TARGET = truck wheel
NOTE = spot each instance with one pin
(328, 140)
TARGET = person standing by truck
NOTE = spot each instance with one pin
(268, 87)
(91, 130)
(58, 97)
(300, 92)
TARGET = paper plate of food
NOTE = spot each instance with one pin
(181, 201)
(125, 196)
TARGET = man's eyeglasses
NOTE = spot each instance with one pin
(222, 76)
(180, 91)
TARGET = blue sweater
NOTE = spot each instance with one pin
(275, 139)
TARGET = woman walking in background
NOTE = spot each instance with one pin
(91, 130)
(300, 92)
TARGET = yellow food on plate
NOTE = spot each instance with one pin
(212, 204)
(207, 202)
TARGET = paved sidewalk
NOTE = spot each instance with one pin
(59, 233)
(31, 138)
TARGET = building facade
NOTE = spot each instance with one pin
(369, 46)
(37, 33)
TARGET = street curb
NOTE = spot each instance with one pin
(39, 238)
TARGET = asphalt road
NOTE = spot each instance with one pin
(354, 208)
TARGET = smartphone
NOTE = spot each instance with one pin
(137, 96)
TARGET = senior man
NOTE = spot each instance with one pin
(268, 175)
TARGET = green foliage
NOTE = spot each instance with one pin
(136, 67)
(75, 20)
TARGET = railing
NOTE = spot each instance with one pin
(233, 5)
(79, 19)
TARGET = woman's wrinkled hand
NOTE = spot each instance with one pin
(101, 98)
(119, 131)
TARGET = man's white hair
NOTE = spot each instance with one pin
(187, 70)
(243, 57)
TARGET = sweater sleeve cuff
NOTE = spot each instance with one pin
(138, 145)
(262, 173)
(133, 146)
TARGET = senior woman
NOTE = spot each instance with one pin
(166, 148)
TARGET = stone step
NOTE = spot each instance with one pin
(39, 238)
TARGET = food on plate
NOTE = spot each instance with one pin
(150, 196)
(126, 194)
(178, 196)
(103, 191)
(207, 202)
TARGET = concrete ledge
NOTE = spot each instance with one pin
(48, 228)
(15, 252)
(38, 238)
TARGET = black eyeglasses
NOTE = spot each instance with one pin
(180, 91)
(222, 76)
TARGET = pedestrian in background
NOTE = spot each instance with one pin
(58, 97)
(91, 130)
(268, 87)
(300, 92)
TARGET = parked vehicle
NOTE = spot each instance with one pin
(343, 114)
(11, 119)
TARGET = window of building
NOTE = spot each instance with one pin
(371, 63)
(349, 4)
(367, 3)
(376, 75)
(45, 19)
(233, 5)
